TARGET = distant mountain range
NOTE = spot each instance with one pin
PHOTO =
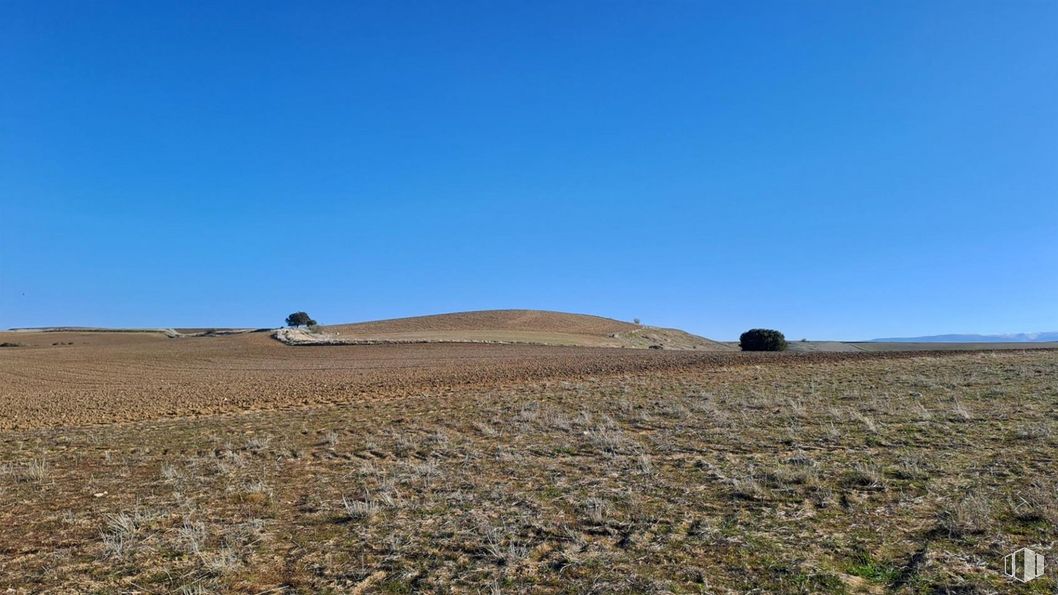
(1009, 338)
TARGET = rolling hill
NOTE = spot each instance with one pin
(504, 326)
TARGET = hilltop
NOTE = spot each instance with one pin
(504, 326)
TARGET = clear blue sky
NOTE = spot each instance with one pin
(832, 169)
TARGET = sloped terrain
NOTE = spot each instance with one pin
(499, 320)
(505, 326)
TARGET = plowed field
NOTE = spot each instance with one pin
(516, 468)
(60, 379)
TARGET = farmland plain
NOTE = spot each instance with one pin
(137, 462)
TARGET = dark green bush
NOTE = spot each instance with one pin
(762, 339)
(299, 319)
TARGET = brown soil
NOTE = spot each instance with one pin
(535, 327)
(61, 379)
(505, 320)
(831, 473)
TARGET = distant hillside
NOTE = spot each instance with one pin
(1011, 338)
(504, 326)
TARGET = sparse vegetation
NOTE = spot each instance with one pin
(783, 477)
(760, 339)
(517, 468)
(34, 471)
(966, 515)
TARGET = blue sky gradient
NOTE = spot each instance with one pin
(841, 170)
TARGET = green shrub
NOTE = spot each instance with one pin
(762, 339)
(299, 319)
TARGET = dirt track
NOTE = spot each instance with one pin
(119, 377)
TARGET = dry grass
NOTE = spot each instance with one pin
(913, 475)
